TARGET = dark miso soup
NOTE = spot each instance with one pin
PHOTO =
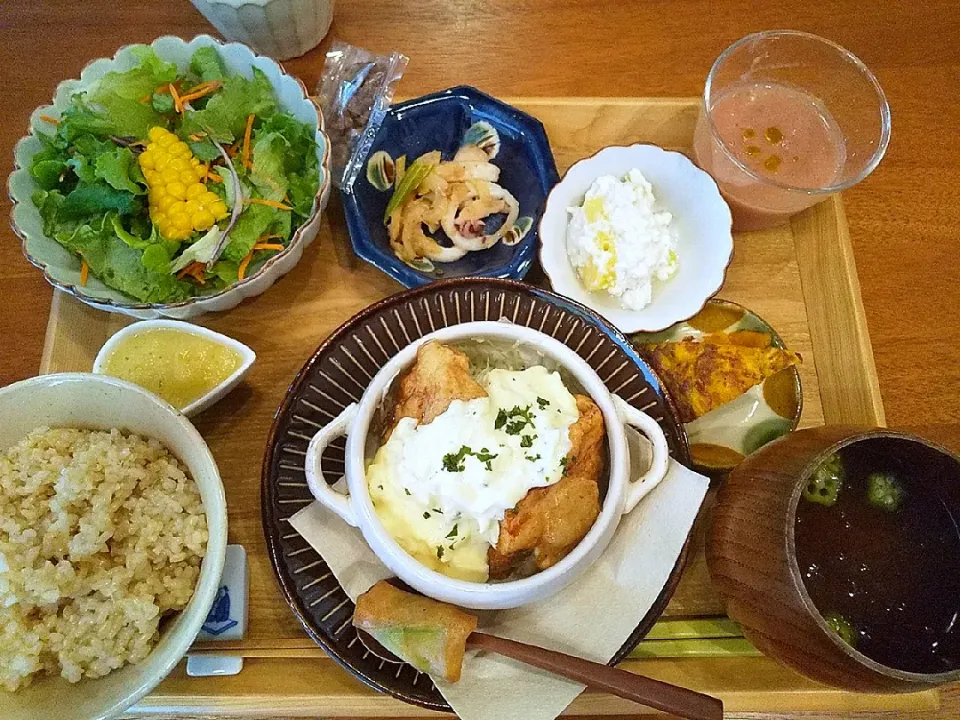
(880, 553)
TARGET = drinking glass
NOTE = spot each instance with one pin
(787, 119)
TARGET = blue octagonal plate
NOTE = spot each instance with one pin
(438, 122)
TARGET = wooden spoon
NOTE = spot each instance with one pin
(646, 691)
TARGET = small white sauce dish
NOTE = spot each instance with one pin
(701, 220)
(247, 357)
(623, 491)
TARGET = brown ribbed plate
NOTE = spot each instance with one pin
(337, 375)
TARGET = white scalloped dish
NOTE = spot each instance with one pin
(62, 268)
(701, 221)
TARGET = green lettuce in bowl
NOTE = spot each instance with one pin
(85, 211)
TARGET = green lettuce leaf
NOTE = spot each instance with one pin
(86, 200)
(158, 256)
(49, 204)
(49, 163)
(225, 115)
(120, 170)
(162, 102)
(47, 173)
(117, 96)
(134, 241)
(299, 159)
(204, 151)
(81, 119)
(255, 222)
(206, 63)
(118, 265)
(201, 251)
(268, 175)
(226, 271)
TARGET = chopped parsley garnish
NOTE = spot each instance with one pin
(531, 458)
(542, 403)
(565, 462)
(438, 511)
(513, 421)
(439, 552)
(406, 491)
(527, 441)
(453, 533)
(426, 516)
(455, 462)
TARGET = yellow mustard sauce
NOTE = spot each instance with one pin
(178, 366)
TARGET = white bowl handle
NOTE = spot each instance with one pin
(326, 495)
(639, 487)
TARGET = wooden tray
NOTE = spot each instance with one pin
(801, 279)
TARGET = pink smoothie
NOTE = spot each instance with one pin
(782, 134)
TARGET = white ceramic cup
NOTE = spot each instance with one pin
(356, 508)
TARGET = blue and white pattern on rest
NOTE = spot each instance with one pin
(227, 619)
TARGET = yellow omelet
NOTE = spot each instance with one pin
(704, 374)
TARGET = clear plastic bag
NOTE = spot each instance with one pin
(355, 90)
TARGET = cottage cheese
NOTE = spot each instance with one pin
(618, 242)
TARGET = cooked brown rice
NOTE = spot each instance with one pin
(101, 534)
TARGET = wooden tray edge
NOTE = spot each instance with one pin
(849, 387)
(754, 684)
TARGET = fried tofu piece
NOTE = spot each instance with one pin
(549, 522)
(430, 635)
(703, 375)
(439, 376)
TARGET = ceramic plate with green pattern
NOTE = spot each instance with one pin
(722, 437)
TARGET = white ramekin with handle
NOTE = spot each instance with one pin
(356, 508)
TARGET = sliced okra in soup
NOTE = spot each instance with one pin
(842, 627)
(826, 482)
(885, 491)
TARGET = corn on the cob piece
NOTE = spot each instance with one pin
(180, 204)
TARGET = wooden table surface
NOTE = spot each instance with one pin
(904, 219)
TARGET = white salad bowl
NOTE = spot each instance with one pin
(356, 508)
(247, 357)
(62, 268)
(98, 402)
(701, 220)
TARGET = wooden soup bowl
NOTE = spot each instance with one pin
(752, 559)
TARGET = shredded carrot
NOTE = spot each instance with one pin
(268, 246)
(194, 270)
(269, 203)
(214, 176)
(197, 137)
(51, 120)
(271, 236)
(209, 85)
(146, 98)
(246, 141)
(232, 150)
(242, 268)
(197, 95)
(177, 105)
(84, 272)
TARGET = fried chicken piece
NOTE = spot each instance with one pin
(549, 522)
(428, 634)
(439, 376)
